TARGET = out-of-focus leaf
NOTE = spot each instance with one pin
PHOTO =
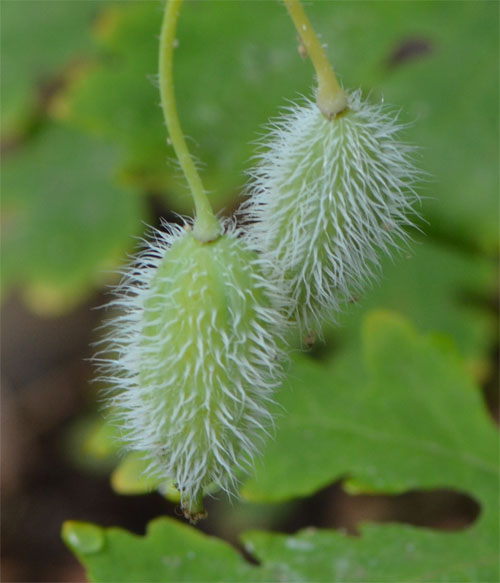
(452, 96)
(442, 289)
(92, 445)
(170, 552)
(130, 476)
(66, 222)
(382, 554)
(395, 413)
(38, 41)
(173, 552)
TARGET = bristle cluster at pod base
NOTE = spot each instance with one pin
(326, 197)
(198, 355)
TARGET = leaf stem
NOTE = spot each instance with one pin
(330, 97)
(206, 226)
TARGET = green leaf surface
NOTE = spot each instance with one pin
(173, 552)
(170, 552)
(446, 291)
(38, 41)
(399, 413)
(92, 445)
(452, 97)
(389, 553)
(130, 476)
(395, 412)
(66, 222)
(118, 98)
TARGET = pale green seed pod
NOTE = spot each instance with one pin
(197, 360)
(326, 197)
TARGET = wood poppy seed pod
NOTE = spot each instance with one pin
(325, 197)
(197, 360)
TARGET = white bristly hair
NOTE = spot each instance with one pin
(196, 352)
(325, 197)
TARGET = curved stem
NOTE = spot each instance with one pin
(206, 226)
(331, 98)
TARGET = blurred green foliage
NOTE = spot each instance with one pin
(67, 223)
(83, 147)
(40, 42)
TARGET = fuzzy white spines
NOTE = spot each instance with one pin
(197, 360)
(325, 197)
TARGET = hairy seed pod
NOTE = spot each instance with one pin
(197, 360)
(325, 197)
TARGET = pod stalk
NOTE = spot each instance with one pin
(330, 97)
(206, 225)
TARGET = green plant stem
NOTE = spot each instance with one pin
(331, 98)
(206, 226)
(194, 509)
